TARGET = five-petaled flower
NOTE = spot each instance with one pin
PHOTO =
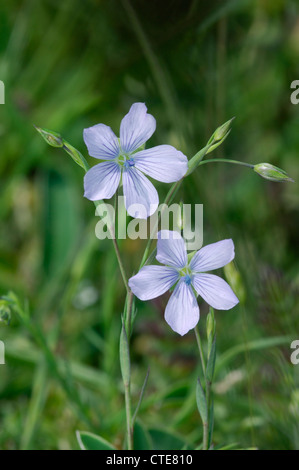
(125, 157)
(182, 311)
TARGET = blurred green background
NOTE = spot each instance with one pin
(69, 65)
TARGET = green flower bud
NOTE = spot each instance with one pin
(222, 132)
(52, 138)
(234, 279)
(271, 172)
(215, 140)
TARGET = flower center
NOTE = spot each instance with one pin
(187, 279)
(125, 161)
(186, 275)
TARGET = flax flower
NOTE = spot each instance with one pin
(189, 277)
(127, 159)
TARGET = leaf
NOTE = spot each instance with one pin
(142, 438)
(227, 446)
(141, 396)
(201, 402)
(90, 441)
(164, 440)
(76, 155)
(262, 343)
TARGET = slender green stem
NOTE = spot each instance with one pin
(120, 263)
(205, 444)
(129, 416)
(200, 349)
(225, 160)
(130, 422)
(205, 424)
(127, 377)
(208, 398)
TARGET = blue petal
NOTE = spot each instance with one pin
(141, 197)
(152, 281)
(101, 181)
(163, 163)
(215, 291)
(101, 142)
(213, 256)
(182, 311)
(136, 127)
(171, 249)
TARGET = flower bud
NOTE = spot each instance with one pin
(271, 172)
(222, 131)
(215, 140)
(52, 138)
(234, 279)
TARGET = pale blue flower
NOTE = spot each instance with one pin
(123, 157)
(182, 311)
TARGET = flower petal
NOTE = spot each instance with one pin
(136, 127)
(182, 311)
(101, 142)
(163, 163)
(215, 291)
(152, 281)
(101, 181)
(171, 249)
(141, 197)
(213, 256)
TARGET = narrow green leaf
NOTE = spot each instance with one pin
(76, 155)
(141, 396)
(90, 441)
(261, 343)
(226, 446)
(142, 438)
(165, 440)
(201, 402)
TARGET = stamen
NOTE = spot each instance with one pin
(128, 163)
(187, 279)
